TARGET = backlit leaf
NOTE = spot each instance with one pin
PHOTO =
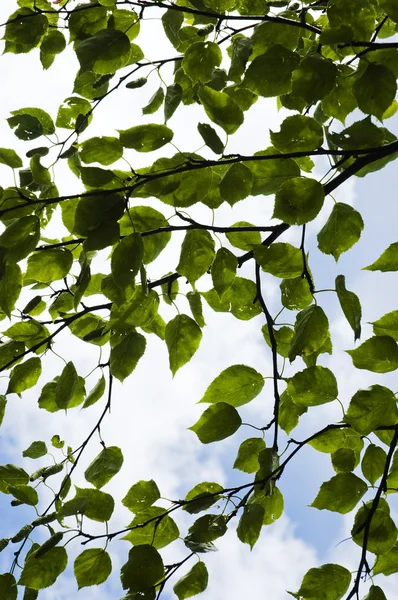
(183, 336)
(105, 466)
(235, 386)
(350, 305)
(330, 580)
(92, 567)
(372, 408)
(192, 583)
(378, 354)
(341, 231)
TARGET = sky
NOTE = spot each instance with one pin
(151, 411)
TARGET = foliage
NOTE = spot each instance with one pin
(322, 61)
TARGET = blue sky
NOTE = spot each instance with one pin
(151, 412)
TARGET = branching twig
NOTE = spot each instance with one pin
(274, 349)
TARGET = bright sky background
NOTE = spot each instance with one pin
(150, 411)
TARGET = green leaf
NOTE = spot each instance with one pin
(40, 174)
(104, 52)
(105, 150)
(3, 404)
(70, 110)
(210, 138)
(24, 376)
(41, 572)
(195, 304)
(387, 261)
(298, 134)
(49, 265)
(35, 450)
(375, 89)
(280, 259)
(182, 336)
(8, 587)
(206, 529)
(328, 581)
(314, 79)
(53, 43)
(375, 593)
(223, 270)
(160, 531)
(127, 259)
(218, 422)
(12, 475)
(197, 254)
(245, 240)
(350, 305)
(98, 506)
(125, 356)
(373, 463)
(20, 238)
(66, 386)
(146, 218)
(31, 123)
(269, 463)
(192, 583)
(250, 524)
(125, 20)
(96, 393)
(202, 496)
(341, 231)
(26, 27)
(270, 174)
(271, 73)
(378, 354)
(312, 387)
(310, 331)
(289, 412)
(372, 408)
(387, 564)
(329, 441)
(144, 568)
(236, 385)
(141, 495)
(298, 201)
(387, 325)
(240, 53)
(172, 100)
(138, 311)
(10, 288)
(295, 293)
(154, 103)
(236, 184)
(343, 460)
(200, 60)
(341, 101)
(108, 462)
(361, 134)
(92, 567)
(10, 158)
(382, 533)
(272, 504)
(221, 109)
(24, 494)
(146, 138)
(247, 459)
(242, 295)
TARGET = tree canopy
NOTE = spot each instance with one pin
(323, 63)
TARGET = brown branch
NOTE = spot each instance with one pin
(274, 350)
(367, 156)
(46, 341)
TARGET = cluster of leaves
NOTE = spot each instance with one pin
(322, 61)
